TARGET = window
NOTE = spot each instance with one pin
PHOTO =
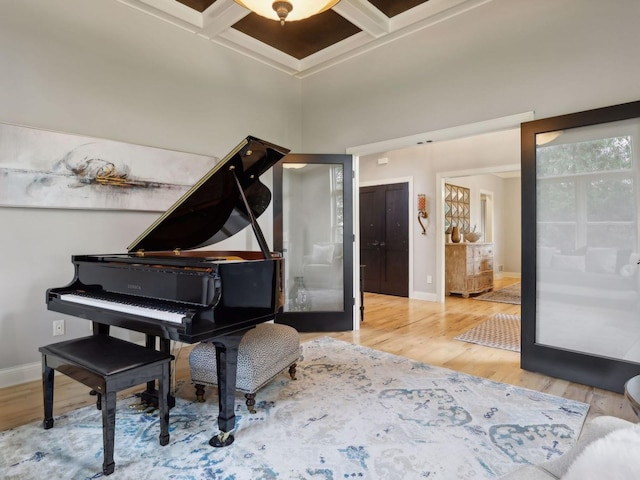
(584, 191)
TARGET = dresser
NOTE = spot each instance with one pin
(468, 268)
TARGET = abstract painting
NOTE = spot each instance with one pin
(41, 168)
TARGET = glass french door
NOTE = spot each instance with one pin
(313, 227)
(581, 246)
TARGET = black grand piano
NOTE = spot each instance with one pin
(167, 287)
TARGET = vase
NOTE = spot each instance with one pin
(299, 299)
(455, 234)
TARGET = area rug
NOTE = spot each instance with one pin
(499, 331)
(510, 294)
(354, 413)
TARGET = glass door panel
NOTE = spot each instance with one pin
(313, 241)
(581, 246)
(587, 241)
(313, 229)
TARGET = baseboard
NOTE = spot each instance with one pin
(429, 297)
(509, 274)
(29, 372)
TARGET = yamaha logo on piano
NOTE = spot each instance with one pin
(132, 286)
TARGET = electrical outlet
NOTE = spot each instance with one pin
(58, 328)
(429, 279)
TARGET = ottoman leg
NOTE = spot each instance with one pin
(292, 371)
(251, 401)
(199, 392)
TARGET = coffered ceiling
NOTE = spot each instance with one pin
(304, 47)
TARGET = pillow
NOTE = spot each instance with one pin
(613, 457)
(601, 260)
(572, 263)
(322, 253)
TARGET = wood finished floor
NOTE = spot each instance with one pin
(417, 329)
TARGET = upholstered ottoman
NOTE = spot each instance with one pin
(264, 351)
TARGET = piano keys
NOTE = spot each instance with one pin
(132, 306)
(166, 287)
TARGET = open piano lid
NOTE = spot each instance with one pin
(213, 209)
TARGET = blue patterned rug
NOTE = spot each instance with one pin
(353, 413)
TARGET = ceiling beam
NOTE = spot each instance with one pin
(364, 16)
(220, 16)
(170, 11)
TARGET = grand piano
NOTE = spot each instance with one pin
(169, 287)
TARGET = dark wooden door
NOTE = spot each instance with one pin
(384, 238)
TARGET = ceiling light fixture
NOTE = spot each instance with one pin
(290, 10)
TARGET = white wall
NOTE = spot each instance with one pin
(102, 69)
(503, 58)
(512, 228)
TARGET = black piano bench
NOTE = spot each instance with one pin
(107, 365)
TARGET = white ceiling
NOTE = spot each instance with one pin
(215, 24)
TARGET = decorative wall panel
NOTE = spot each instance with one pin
(457, 209)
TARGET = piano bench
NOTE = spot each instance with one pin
(263, 353)
(106, 365)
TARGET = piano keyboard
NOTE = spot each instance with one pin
(133, 308)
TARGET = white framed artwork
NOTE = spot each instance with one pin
(47, 169)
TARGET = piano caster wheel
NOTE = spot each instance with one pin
(47, 423)
(223, 439)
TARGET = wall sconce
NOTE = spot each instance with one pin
(422, 211)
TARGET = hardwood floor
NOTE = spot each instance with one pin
(417, 329)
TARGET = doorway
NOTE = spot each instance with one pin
(494, 212)
(486, 216)
(384, 238)
(480, 156)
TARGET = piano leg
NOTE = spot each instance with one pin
(226, 363)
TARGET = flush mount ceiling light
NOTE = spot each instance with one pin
(289, 10)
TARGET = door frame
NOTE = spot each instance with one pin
(441, 179)
(490, 213)
(464, 130)
(318, 321)
(411, 226)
